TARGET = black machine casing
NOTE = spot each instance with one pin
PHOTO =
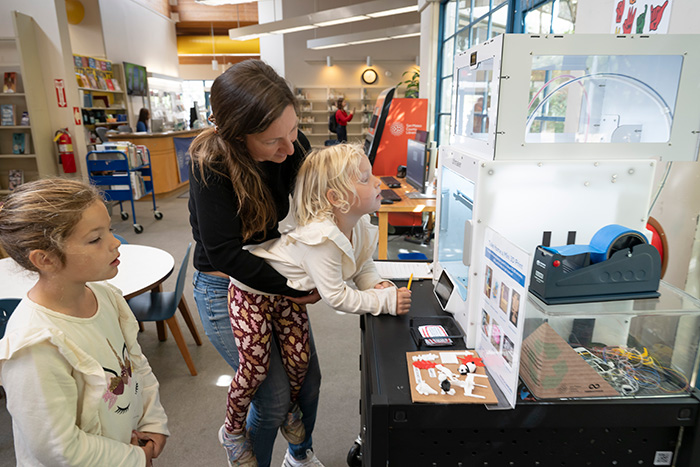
(629, 273)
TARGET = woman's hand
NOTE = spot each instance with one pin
(312, 297)
(384, 285)
(403, 301)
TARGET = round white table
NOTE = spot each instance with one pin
(142, 268)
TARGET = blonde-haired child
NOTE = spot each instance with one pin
(333, 242)
(79, 389)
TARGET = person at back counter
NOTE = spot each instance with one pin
(342, 117)
(144, 116)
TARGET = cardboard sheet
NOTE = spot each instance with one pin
(429, 376)
(552, 369)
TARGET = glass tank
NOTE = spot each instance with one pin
(456, 210)
(602, 98)
(641, 348)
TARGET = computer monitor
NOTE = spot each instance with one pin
(416, 164)
(376, 126)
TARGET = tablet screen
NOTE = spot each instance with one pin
(443, 289)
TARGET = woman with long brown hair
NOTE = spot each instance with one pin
(242, 173)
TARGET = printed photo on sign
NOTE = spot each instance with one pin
(508, 349)
(488, 277)
(514, 308)
(485, 321)
(496, 335)
(505, 295)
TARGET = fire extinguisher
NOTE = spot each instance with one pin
(65, 150)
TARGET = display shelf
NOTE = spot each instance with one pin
(106, 91)
(20, 55)
(115, 101)
(17, 156)
(317, 102)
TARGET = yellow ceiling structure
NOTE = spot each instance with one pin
(196, 45)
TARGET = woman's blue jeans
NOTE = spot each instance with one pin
(271, 402)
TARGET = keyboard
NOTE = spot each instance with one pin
(390, 194)
(391, 182)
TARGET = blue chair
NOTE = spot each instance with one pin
(7, 306)
(161, 306)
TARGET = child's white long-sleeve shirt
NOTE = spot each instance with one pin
(318, 255)
(76, 387)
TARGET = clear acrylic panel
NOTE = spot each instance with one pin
(602, 98)
(456, 208)
(642, 348)
(473, 99)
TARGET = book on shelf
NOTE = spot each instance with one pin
(109, 83)
(7, 115)
(93, 82)
(19, 143)
(15, 178)
(24, 121)
(116, 85)
(102, 82)
(87, 99)
(10, 82)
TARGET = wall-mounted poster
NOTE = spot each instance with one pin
(135, 76)
(641, 16)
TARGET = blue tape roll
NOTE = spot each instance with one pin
(604, 243)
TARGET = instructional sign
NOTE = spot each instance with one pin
(502, 305)
(641, 16)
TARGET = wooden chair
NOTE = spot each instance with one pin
(161, 306)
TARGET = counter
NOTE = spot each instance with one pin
(164, 161)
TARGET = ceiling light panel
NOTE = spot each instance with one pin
(397, 32)
(334, 22)
(345, 14)
(395, 11)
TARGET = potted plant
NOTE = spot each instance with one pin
(412, 83)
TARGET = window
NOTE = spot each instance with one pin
(464, 23)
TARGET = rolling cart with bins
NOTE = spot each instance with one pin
(111, 172)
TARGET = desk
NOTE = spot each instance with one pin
(573, 433)
(405, 205)
(164, 162)
(142, 268)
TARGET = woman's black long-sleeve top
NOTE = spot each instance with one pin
(217, 228)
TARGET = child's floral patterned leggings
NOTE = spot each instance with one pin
(256, 319)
